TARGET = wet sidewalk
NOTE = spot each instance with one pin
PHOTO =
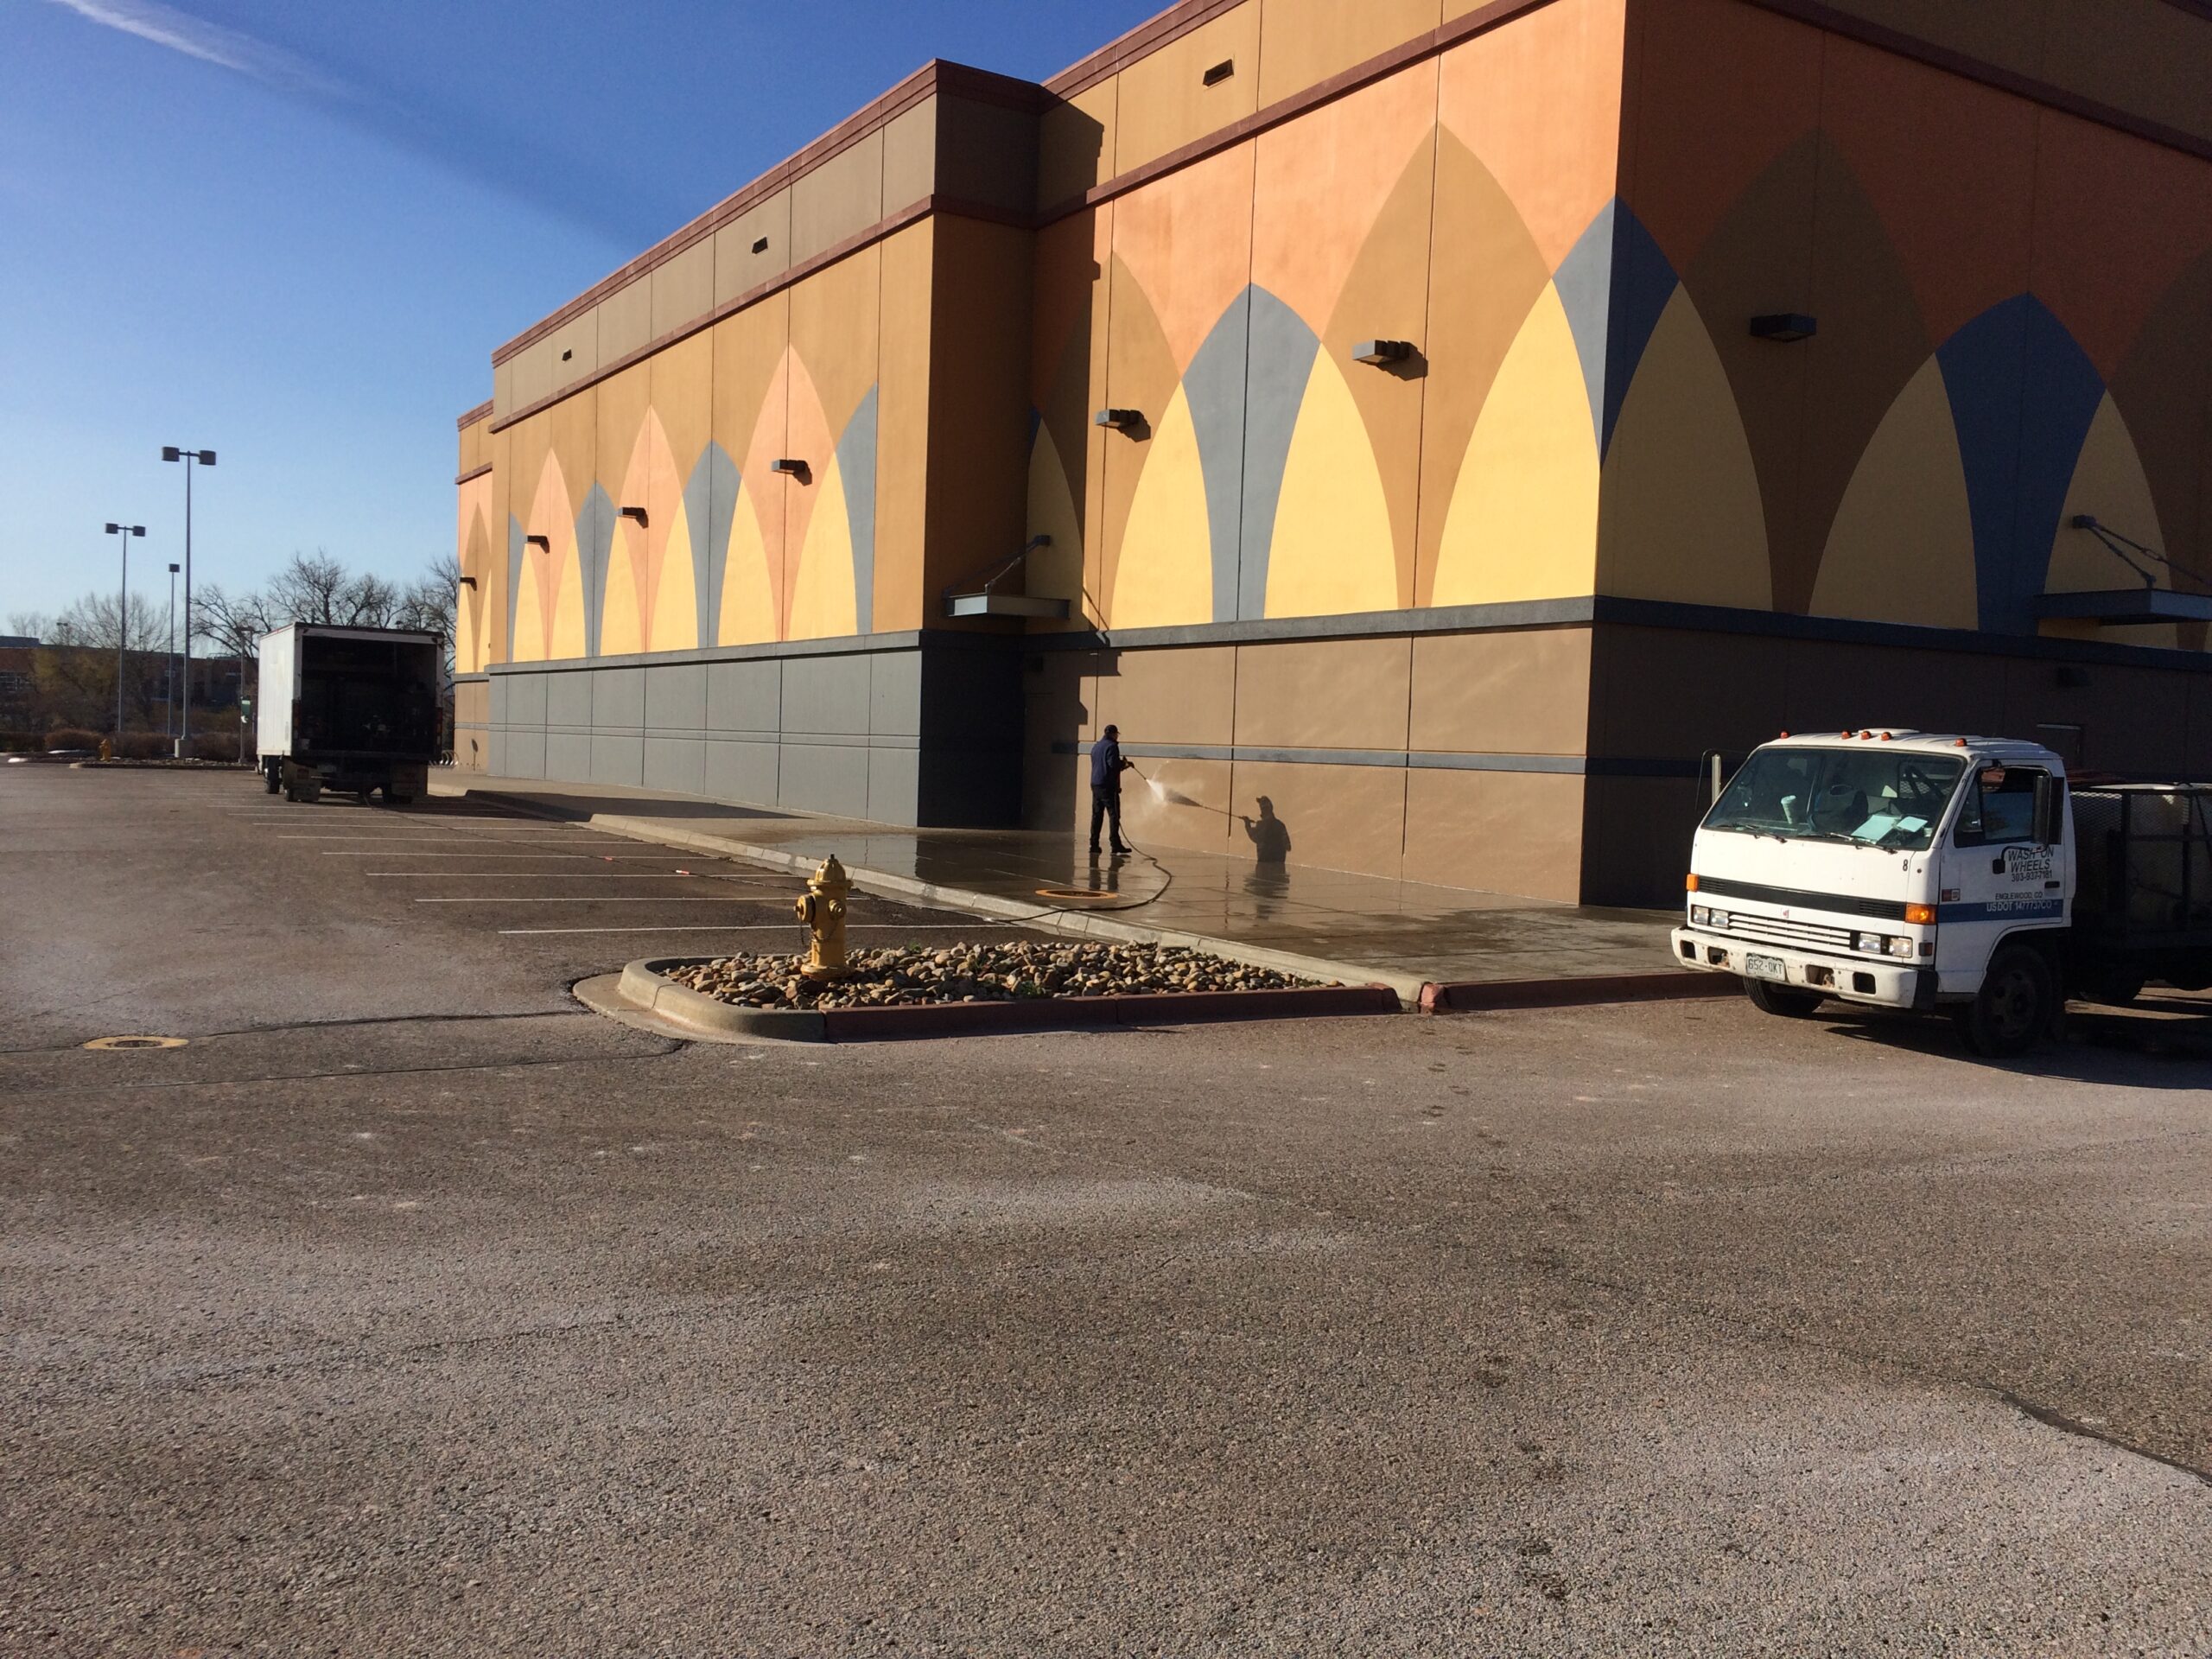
(1404, 934)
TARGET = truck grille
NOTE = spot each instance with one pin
(1775, 929)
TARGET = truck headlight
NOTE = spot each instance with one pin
(1700, 917)
(1901, 947)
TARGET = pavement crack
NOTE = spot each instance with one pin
(2051, 1418)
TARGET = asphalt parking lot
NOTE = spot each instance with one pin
(409, 1309)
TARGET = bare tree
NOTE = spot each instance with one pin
(428, 604)
(320, 589)
(74, 670)
(373, 602)
(30, 625)
(97, 620)
(232, 623)
(310, 590)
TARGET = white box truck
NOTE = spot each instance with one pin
(348, 709)
(1927, 870)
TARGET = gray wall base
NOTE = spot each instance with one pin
(925, 733)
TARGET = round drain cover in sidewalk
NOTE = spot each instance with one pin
(136, 1042)
(1081, 895)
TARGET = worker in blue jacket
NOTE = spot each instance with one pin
(1107, 766)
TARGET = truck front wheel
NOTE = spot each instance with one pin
(1769, 998)
(2017, 1004)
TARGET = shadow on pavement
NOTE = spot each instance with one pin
(2162, 1042)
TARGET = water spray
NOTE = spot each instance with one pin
(1168, 796)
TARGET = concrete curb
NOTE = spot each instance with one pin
(1073, 923)
(645, 985)
(1411, 990)
(1475, 996)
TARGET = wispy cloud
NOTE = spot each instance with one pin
(575, 188)
(227, 49)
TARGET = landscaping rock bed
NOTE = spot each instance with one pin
(908, 976)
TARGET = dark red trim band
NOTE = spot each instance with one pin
(1420, 47)
(932, 77)
(952, 206)
(472, 416)
(1989, 74)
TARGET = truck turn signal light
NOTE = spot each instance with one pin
(1920, 915)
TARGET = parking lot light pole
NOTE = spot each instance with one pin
(123, 619)
(190, 458)
(169, 664)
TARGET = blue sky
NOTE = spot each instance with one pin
(292, 233)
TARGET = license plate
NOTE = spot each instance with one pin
(1766, 967)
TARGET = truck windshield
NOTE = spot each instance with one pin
(1873, 796)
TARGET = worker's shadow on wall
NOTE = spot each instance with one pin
(1271, 844)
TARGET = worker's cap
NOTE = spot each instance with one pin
(1113, 731)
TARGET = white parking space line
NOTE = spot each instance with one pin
(500, 854)
(759, 896)
(546, 875)
(774, 927)
(389, 840)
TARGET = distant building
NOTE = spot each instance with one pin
(1448, 421)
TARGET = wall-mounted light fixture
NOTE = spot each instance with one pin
(759, 244)
(468, 582)
(790, 468)
(1382, 352)
(1122, 419)
(545, 542)
(1219, 73)
(569, 354)
(1785, 328)
(638, 513)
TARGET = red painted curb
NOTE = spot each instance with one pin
(1471, 997)
(1061, 1013)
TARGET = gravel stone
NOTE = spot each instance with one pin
(903, 975)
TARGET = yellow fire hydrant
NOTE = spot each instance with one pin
(822, 910)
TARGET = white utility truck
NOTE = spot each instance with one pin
(1919, 870)
(348, 709)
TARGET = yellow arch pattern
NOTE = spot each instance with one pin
(1054, 572)
(1524, 519)
(1901, 547)
(567, 640)
(621, 633)
(529, 612)
(2109, 485)
(824, 606)
(1165, 578)
(1332, 550)
(1684, 516)
(675, 599)
(748, 590)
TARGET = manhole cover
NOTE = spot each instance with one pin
(1082, 895)
(136, 1042)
